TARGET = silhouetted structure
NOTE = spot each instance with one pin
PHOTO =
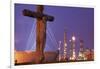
(40, 30)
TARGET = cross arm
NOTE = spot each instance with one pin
(37, 15)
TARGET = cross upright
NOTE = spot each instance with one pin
(40, 29)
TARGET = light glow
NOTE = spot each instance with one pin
(73, 38)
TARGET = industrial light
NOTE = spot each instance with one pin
(73, 38)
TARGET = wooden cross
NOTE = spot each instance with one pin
(40, 29)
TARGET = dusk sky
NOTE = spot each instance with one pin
(77, 20)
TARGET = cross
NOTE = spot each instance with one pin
(40, 29)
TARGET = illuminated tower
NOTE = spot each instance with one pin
(81, 51)
(59, 57)
(65, 47)
(72, 49)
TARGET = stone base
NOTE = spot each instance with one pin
(34, 57)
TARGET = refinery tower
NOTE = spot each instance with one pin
(65, 47)
(72, 48)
